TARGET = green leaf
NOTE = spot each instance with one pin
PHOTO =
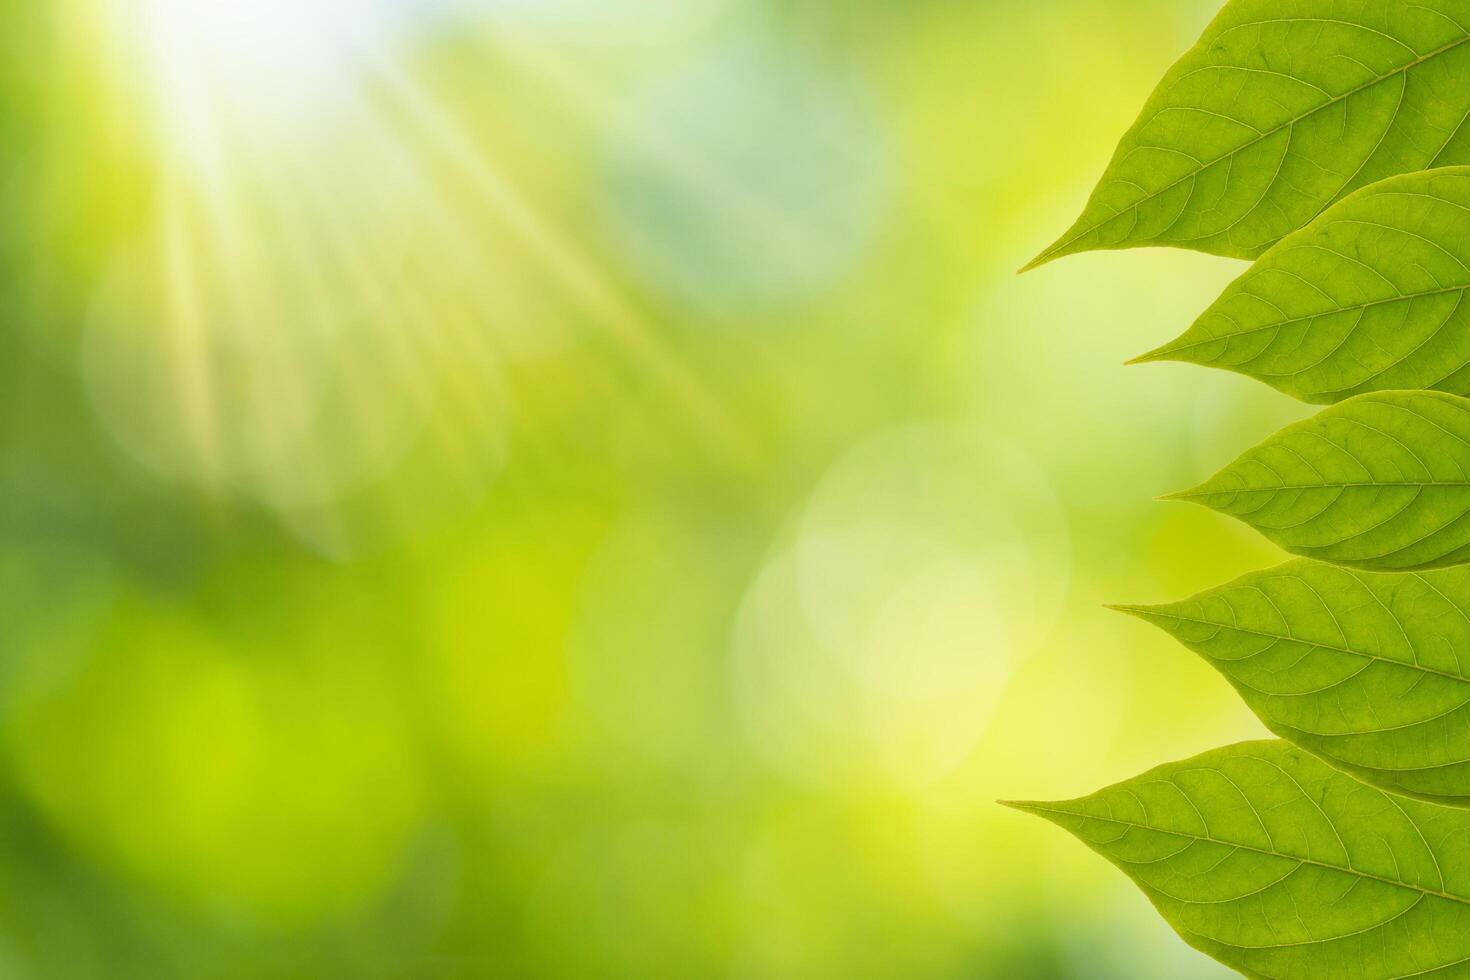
(1370, 296)
(1274, 863)
(1361, 668)
(1381, 482)
(1283, 107)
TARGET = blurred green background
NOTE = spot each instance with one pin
(575, 488)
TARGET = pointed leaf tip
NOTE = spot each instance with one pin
(1154, 356)
(1178, 833)
(1282, 321)
(1380, 482)
(1035, 263)
(1025, 806)
(1294, 639)
(1148, 193)
(1132, 609)
(1061, 248)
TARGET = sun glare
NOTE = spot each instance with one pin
(342, 260)
(265, 63)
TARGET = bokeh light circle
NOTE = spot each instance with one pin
(928, 563)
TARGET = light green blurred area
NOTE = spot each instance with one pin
(575, 488)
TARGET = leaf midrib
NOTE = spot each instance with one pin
(1408, 886)
(1279, 324)
(1262, 136)
(1296, 639)
(1325, 485)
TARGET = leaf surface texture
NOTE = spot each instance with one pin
(1370, 296)
(1280, 109)
(1278, 865)
(1380, 482)
(1370, 671)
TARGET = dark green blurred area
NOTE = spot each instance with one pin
(575, 489)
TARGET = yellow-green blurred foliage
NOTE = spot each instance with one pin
(574, 488)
